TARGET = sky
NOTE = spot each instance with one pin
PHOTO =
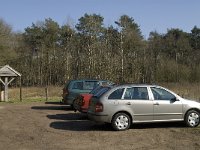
(150, 15)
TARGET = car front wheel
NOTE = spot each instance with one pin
(192, 118)
(121, 121)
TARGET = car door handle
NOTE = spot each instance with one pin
(156, 103)
(129, 103)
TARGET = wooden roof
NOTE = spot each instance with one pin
(7, 71)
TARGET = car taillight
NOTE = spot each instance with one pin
(65, 91)
(99, 107)
(83, 102)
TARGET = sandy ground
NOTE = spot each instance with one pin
(40, 126)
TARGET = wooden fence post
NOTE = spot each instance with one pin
(46, 92)
(20, 89)
(6, 89)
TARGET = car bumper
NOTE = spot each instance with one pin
(68, 100)
(83, 109)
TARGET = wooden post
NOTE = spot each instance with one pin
(1, 98)
(6, 89)
(46, 93)
(2, 90)
(8, 74)
(20, 89)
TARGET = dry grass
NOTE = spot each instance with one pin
(32, 94)
(186, 90)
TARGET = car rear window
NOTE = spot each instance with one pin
(89, 85)
(101, 91)
(117, 94)
(96, 89)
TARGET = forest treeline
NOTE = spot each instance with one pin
(46, 53)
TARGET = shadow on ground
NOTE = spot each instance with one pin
(80, 122)
(69, 116)
(76, 122)
(53, 107)
(86, 125)
(159, 125)
(54, 103)
(80, 125)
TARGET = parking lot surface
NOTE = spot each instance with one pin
(49, 126)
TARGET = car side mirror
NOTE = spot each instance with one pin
(174, 99)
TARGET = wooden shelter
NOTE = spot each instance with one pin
(7, 75)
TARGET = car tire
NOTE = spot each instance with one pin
(192, 118)
(121, 121)
(72, 105)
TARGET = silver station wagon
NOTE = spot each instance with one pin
(126, 104)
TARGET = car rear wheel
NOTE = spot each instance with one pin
(121, 121)
(73, 105)
(192, 118)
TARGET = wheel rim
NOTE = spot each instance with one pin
(122, 122)
(193, 119)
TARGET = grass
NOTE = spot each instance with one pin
(37, 94)
(34, 94)
(186, 90)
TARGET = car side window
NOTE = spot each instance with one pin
(77, 85)
(89, 85)
(136, 93)
(162, 94)
(117, 94)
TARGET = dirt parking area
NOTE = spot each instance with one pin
(53, 126)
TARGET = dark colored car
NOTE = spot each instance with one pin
(82, 101)
(75, 87)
